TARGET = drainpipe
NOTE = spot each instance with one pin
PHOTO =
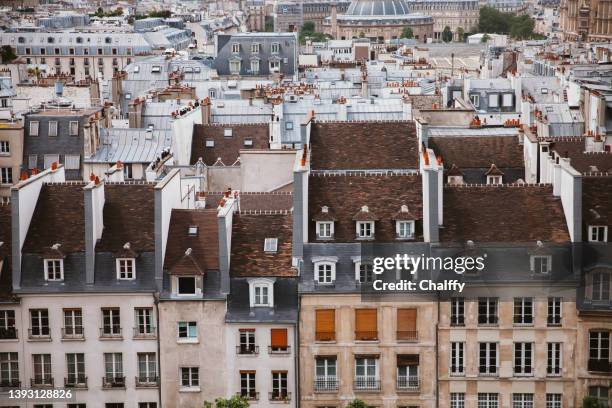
(296, 341)
(159, 389)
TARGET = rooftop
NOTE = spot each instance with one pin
(224, 142)
(478, 151)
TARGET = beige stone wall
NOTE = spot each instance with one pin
(421, 32)
(584, 378)
(13, 133)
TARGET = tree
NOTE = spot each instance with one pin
(407, 32)
(591, 402)
(7, 54)
(447, 34)
(237, 401)
(361, 34)
(308, 27)
(485, 38)
(461, 34)
(357, 403)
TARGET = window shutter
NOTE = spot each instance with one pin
(366, 324)
(406, 324)
(407, 359)
(325, 325)
(278, 338)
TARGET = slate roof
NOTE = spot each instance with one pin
(131, 145)
(596, 202)
(248, 257)
(227, 148)
(503, 214)
(204, 244)
(384, 196)
(364, 145)
(580, 160)
(6, 281)
(478, 151)
(256, 201)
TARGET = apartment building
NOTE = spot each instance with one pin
(11, 153)
(586, 21)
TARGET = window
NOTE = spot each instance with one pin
(52, 128)
(279, 385)
(325, 272)
(523, 311)
(9, 370)
(325, 373)
(408, 371)
(553, 366)
(288, 125)
(601, 286)
(404, 229)
(523, 358)
(487, 359)
(54, 269)
(255, 66)
(325, 323)
(270, 244)
(275, 48)
(364, 272)
(487, 311)
(126, 269)
(39, 321)
(147, 405)
(155, 69)
(600, 393)
(507, 100)
(247, 342)
(42, 369)
(457, 312)
(553, 401)
(554, 311)
(325, 229)
(114, 405)
(212, 93)
(247, 384)
(366, 373)
(77, 405)
(227, 132)
(522, 400)
(4, 147)
(113, 369)
(6, 175)
(49, 159)
(73, 323)
(186, 285)
(255, 48)
(494, 179)
(365, 229)
(274, 66)
(147, 368)
(210, 143)
(7, 325)
(74, 128)
(235, 48)
(234, 67)
(261, 295)
(190, 377)
(72, 162)
(488, 400)
(187, 331)
(366, 324)
(475, 99)
(598, 233)
(407, 324)
(456, 363)
(127, 171)
(75, 363)
(493, 100)
(278, 340)
(248, 142)
(599, 351)
(111, 322)
(32, 161)
(457, 400)
(541, 264)
(144, 321)
(34, 128)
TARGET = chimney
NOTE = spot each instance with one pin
(115, 173)
(225, 213)
(570, 190)
(135, 113)
(301, 172)
(206, 109)
(432, 173)
(276, 126)
(94, 225)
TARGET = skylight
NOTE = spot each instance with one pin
(271, 245)
(192, 230)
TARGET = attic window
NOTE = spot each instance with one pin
(227, 132)
(404, 229)
(54, 270)
(192, 231)
(128, 96)
(549, 109)
(541, 263)
(248, 142)
(288, 125)
(325, 229)
(494, 179)
(598, 233)
(155, 69)
(261, 292)
(365, 229)
(126, 269)
(210, 143)
(544, 90)
(271, 245)
(137, 68)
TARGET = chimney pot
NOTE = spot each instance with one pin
(92, 177)
(54, 166)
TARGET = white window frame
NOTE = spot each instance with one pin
(126, 268)
(255, 66)
(210, 143)
(363, 233)
(275, 65)
(196, 292)
(597, 335)
(507, 100)
(493, 100)
(5, 147)
(494, 180)
(332, 272)
(475, 99)
(406, 226)
(255, 48)
(227, 132)
(51, 267)
(488, 400)
(554, 359)
(275, 48)
(556, 317)
(144, 320)
(257, 297)
(325, 229)
(74, 128)
(523, 315)
(457, 315)
(598, 233)
(271, 245)
(235, 48)
(235, 67)
(457, 400)
(53, 128)
(49, 159)
(34, 128)
(554, 400)
(193, 378)
(187, 325)
(358, 265)
(491, 352)
(599, 293)
(492, 311)
(6, 175)
(457, 358)
(522, 400)
(525, 357)
(32, 161)
(72, 162)
(547, 265)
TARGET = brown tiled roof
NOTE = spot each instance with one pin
(59, 217)
(364, 214)
(227, 148)
(494, 171)
(454, 171)
(252, 201)
(404, 214)
(327, 215)
(248, 257)
(596, 201)
(581, 160)
(204, 245)
(346, 194)
(128, 217)
(503, 214)
(478, 152)
(364, 145)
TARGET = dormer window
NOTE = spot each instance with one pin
(235, 48)
(261, 295)
(126, 268)
(325, 270)
(541, 263)
(494, 180)
(271, 245)
(598, 233)
(186, 285)
(365, 229)
(275, 48)
(54, 270)
(363, 272)
(494, 175)
(261, 292)
(404, 229)
(325, 229)
(255, 48)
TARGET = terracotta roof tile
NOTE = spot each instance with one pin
(478, 152)
(227, 148)
(494, 171)
(364, 145)
(253, 201)
(582, 161)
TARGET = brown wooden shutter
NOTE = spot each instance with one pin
(366, 327)
(406, 324)
(407, 359)
(325, 325)
(278, 338)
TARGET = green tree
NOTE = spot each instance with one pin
(461, 34)
(7, 54)
(236, 401)
(485, 38)
(407, 32)
(591, 402)
(447, 34)
(308, 27)
(357, 403)
(361, 34)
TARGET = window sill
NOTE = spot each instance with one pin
(40, 339)
(527, 325)
(189, 389)
(326, 341)
(367, 341)
(188, 341)
(73, 338)
(111, 338)
(456, 375)
(9, 340)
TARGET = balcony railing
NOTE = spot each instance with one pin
(325, 336)
(326, 383)
(279, 396)
(250, 395)
(366, 335)
(75, 382)
(9, 384)
(39, 334)
(600, 366)
(109, 332)
(45, 381)
(366, 382)
(9, 333)
(73, 333)
(113, 382)
(247, 349)
(407, 335)
(278, 350)
(147, 381)
(408, 382)
(144, 332)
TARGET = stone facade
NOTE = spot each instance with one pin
(586, 21)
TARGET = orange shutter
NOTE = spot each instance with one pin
(325, 325)
(406, 324)
(366, 327)
(278, 338)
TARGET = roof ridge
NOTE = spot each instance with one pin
(266, 212)
(506, 185)
(364, 173)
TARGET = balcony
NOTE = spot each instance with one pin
(247, 350)
(41, 382)
(408, 383)
(366, 335)
(73, 333)
(144, 332)
(143, 381)
(110, 333)
(279, 396)
(249, 395)
(109, 382)
(39, 335)
(326, 383)
(407, 335)
(9, 333)
(6, 385)
(366, 383)
(278, 350)
(75, 381)
(600, 366)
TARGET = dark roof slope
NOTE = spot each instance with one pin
(227, 148)
(478, 152)
(204, 244)
(596, 201)
(59, 217)
(346, 195)
(503, 214)
(6, 281)
(254, 201)
(248, 236)
(574, 148)
(128, 217)
(364, 145)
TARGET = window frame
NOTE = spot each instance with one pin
(57, 268)
(321, 226)
(126, 269)
(525, 368)
(331, 272)
(53, 128)
(456, 366)
(597, 230)
(364, 232)
(398, 229)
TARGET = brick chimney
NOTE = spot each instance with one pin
(225, 215)
(206, 109)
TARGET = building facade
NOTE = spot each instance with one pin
(586, 21)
